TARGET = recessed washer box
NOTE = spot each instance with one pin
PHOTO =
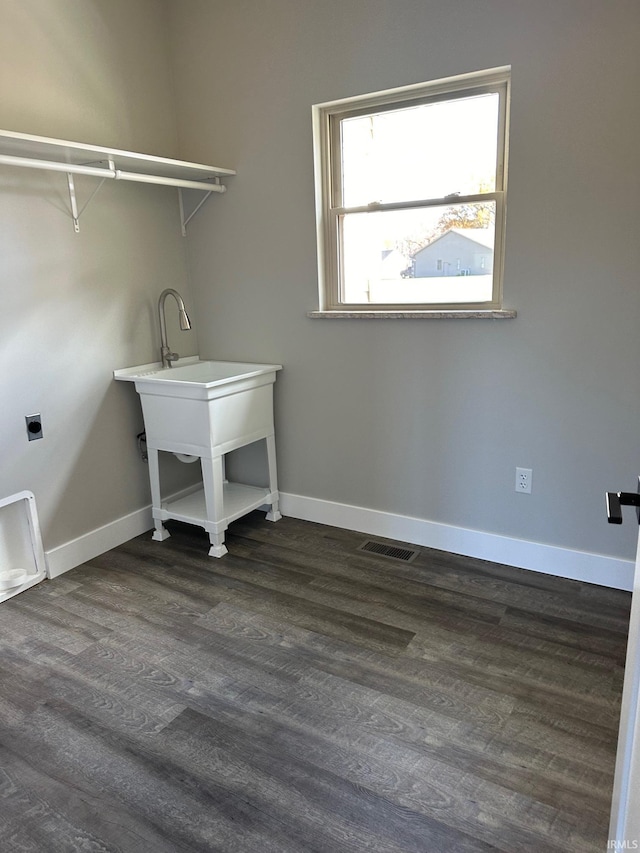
(22, 561)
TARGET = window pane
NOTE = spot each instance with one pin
(419, 152)
(434, 255)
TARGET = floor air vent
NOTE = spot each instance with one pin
(393, 552)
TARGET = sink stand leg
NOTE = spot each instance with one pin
(218, 548)
(274, 513)
(160, 533)
(213, 478)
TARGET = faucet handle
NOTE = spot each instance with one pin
(168, 356)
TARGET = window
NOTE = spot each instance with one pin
(410, 197)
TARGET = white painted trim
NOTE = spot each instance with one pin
(624, 829)
(78, 551)
(331, 207)
(547, 559)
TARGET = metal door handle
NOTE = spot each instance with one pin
(615, 502)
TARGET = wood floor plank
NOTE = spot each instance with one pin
(346, 815)
(41, 812)
(129, 775)
(540, 594)
(373, 670)
(301, 696)
(568, 633)
(418, 782)
(398, 676)
(494, 654)
(339, 622)
(408, 590)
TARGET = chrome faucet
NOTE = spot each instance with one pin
(185, 325)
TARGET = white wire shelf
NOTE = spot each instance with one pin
(76, 158)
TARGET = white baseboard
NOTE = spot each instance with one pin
(78, 551)
(547, 559)
(66, 557)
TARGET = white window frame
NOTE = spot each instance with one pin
(327, 119)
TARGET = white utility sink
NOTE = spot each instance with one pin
(193, 372)
(206, 409)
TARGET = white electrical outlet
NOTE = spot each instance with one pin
(523, 480)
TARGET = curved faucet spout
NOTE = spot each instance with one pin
(185, 324)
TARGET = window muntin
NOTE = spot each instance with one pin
(399, 171)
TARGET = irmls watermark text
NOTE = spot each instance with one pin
(626, 844)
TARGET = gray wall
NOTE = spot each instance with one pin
(426, 419)
(430, 419)
(76, 306)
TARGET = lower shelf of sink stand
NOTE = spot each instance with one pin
(238, 500)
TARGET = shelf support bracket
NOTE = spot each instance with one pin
(184, 220)
(75, 213)
(74, 205)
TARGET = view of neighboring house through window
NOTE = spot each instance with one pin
(411, 189)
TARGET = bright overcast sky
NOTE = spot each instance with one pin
(427, 151)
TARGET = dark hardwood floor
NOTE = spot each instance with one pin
(302, 695)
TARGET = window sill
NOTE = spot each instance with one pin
(434, 314)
